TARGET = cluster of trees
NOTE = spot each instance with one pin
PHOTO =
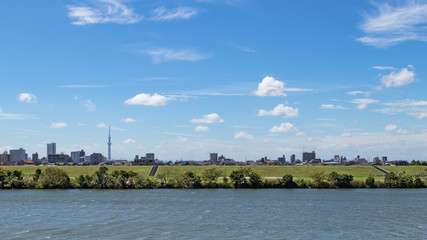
(418, 163)
(56, 178)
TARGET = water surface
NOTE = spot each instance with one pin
(214, 214)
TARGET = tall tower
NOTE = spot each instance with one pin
(109, 144)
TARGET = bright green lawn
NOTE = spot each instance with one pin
(359, 172)
(411, 170)
(275, 171)
(75, 171)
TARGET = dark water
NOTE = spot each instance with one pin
(214, 214)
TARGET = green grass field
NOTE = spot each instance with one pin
(359, 172)
(75, 171)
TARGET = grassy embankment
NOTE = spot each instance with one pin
(359, 172)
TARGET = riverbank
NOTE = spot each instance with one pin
(243, 177)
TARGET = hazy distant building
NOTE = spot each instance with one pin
(78, 156)
(150, 156)
(51, 148)
(213, 157)
(35, 157)
(58, 158)
(376, 160)
(282, 160)
(6, 158)
(96, 158)
(293, 158)
(308, 156)
(18, 154)
(384, 160)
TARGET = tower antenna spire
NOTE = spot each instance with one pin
(109, 143)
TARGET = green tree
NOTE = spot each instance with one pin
(418, 183)
(101, 177)
(37, 174)
(340, 180)
(53, 177)
(287, 181)
(238, 178)
(210, 176)
(318, 180)
(255, 179)
(370, 182)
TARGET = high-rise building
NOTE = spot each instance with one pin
(78, 156)
(109, 144)
(213, 157)
(35, 157)
(51, 148)
(6, 158)
(18, 154)
(308, 156)
(293, 158)
(96, 158)
(282, 160)
(149, 156)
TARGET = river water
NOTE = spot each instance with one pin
(214, 214)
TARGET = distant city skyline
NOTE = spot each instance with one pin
(241, 78)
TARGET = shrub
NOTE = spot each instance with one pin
(238, 178)
(287, 181)
(370, 182)
(53, 178)
(418, 183)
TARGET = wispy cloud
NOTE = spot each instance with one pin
(13, 116)
(103, 125)
(81, 86)
(383, 68)
(242, 48)
(201, 129)
(159, 55)
(391, 25)
(129, 140)
(128, 120)
(58, 125)
(89, 105)
(415, 108)
(331, 106)
(163, 14)
(104, 11)
(363, 103)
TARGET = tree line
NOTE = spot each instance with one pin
(103, 178)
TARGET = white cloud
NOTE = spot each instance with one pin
(182, 140)
(210, 118)
(90, 106)
(392, 25)
(397, 79)
(58, 125)
(163, 14)
(127, 141)
(284, 128)
(105, 11)
(419, 116)
(101, 125)
(393, 128)
(80, 124)
(270, 87)
(159, 55)
(280, 109)
(27, 97)
(128, 120)
(362, 103)
(346, 134)
(148, 100)
(81, 86)
(331, 106)
(383, 68)
(390, 128)
(355, 92)
(201, 129)
(243, 135)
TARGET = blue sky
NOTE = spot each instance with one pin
(243, 78)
